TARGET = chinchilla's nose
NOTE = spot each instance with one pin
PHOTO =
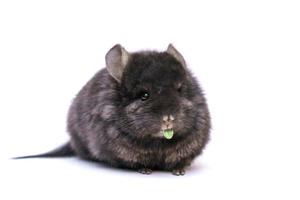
(168, 118)
(167, 122)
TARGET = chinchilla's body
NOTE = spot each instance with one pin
(120, 117)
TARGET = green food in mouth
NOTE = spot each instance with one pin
(168, 134)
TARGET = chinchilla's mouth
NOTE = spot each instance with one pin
(167, 126)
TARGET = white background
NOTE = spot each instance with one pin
(246, 55)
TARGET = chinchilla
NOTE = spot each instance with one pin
(144, 111)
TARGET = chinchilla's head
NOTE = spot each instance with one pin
(159, 97)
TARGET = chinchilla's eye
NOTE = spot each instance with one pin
(144, 96)
(179, 87)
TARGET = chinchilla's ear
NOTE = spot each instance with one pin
(116, 60)
(172, 51)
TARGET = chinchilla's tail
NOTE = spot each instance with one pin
(62, 151)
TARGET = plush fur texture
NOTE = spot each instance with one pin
(109, 122)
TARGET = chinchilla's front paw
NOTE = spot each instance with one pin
(145, 171)
(178, 172)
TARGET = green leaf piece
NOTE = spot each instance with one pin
(168, 134)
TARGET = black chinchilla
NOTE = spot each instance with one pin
(144, 111)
